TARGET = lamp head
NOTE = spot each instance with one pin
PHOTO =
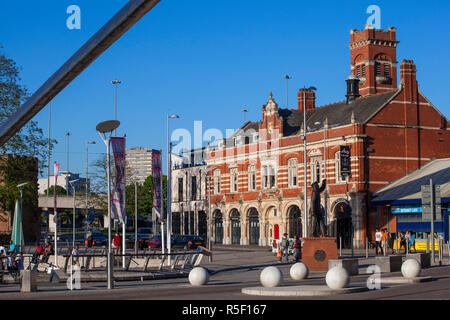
(107, 126)
(22, 185)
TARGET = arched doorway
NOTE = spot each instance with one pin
(253, 219)
(218, 227)
(235, 219)
(295, 222)
(343, 227)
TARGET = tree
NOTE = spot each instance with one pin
(30, 140)
(60, 191)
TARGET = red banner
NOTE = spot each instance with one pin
(119, 184)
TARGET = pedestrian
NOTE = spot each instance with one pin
(3, 254)
(407, 238)
(284, 246)
(384, 238)
(297, 249)
(117, 242)
(48, 250)
(76, 259)
(378, 239)
(391, 237)
(20, 262)
(12, 247)
(412, 242)
(402, 241)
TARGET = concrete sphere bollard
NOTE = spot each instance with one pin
(299, 271)
(411, 268)
(337, 278)
(198, 276)
(271, 277)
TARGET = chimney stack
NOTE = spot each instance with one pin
(306, 98)
(408, 75)
(352, 88)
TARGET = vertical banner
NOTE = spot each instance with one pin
(345, 161)
(118, 195)
(157, 183)
(56, 171)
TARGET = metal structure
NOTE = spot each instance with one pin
(120, 23)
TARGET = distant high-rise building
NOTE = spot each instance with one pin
(139, 163)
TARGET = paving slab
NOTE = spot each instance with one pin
(300, 291)
(400, 280)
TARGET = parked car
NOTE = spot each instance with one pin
(99, 238)
(155, 242)
(187, 241)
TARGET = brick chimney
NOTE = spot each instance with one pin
(306, 97)
(408, 78)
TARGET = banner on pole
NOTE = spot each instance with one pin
(118, 195)
(157, 183)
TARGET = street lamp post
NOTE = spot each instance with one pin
(287, 77)
(20, 186)
(134, 179)
(169, 186)
(305, 190)
(115, 83)
(68, 170)
(87, 183)
(73, 232)
(209, 209)
(105, 128)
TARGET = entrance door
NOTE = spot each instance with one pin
(254, 226)
(344, 227)
(295, 222)
(235, 227)
(218, 228)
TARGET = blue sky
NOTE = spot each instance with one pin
(206, 59)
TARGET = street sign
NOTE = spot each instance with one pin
(426, 203)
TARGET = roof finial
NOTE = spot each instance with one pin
(353, 119)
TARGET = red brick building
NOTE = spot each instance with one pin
(389, 128)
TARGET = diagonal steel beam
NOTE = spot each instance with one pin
(132, 12)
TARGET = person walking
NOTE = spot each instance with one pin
(402, 241)
(407, 238)
(76, 259)
(297, 249)
(412, 242)
(284, 246)
(378, 239)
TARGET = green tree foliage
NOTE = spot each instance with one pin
(60, 191)
(145, 197)
(30, 140)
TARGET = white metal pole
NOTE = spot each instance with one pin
(135, 217)
(169, 191)
(325, 169)
(109, 262)
(432, 219)
(305, 192)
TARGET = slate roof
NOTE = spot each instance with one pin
(338, 114)
(408, 188)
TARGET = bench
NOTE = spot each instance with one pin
(389, 263)
(351, 265)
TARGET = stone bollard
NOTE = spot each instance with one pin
(29, 281)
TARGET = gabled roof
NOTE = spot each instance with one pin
(338, 114)
(409, 186)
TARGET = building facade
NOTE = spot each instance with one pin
(139, 163)
(381, 132)
(189, 198)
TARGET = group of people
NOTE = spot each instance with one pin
(383, 239)
(44, 251)
(283, 248)
(10, 261)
